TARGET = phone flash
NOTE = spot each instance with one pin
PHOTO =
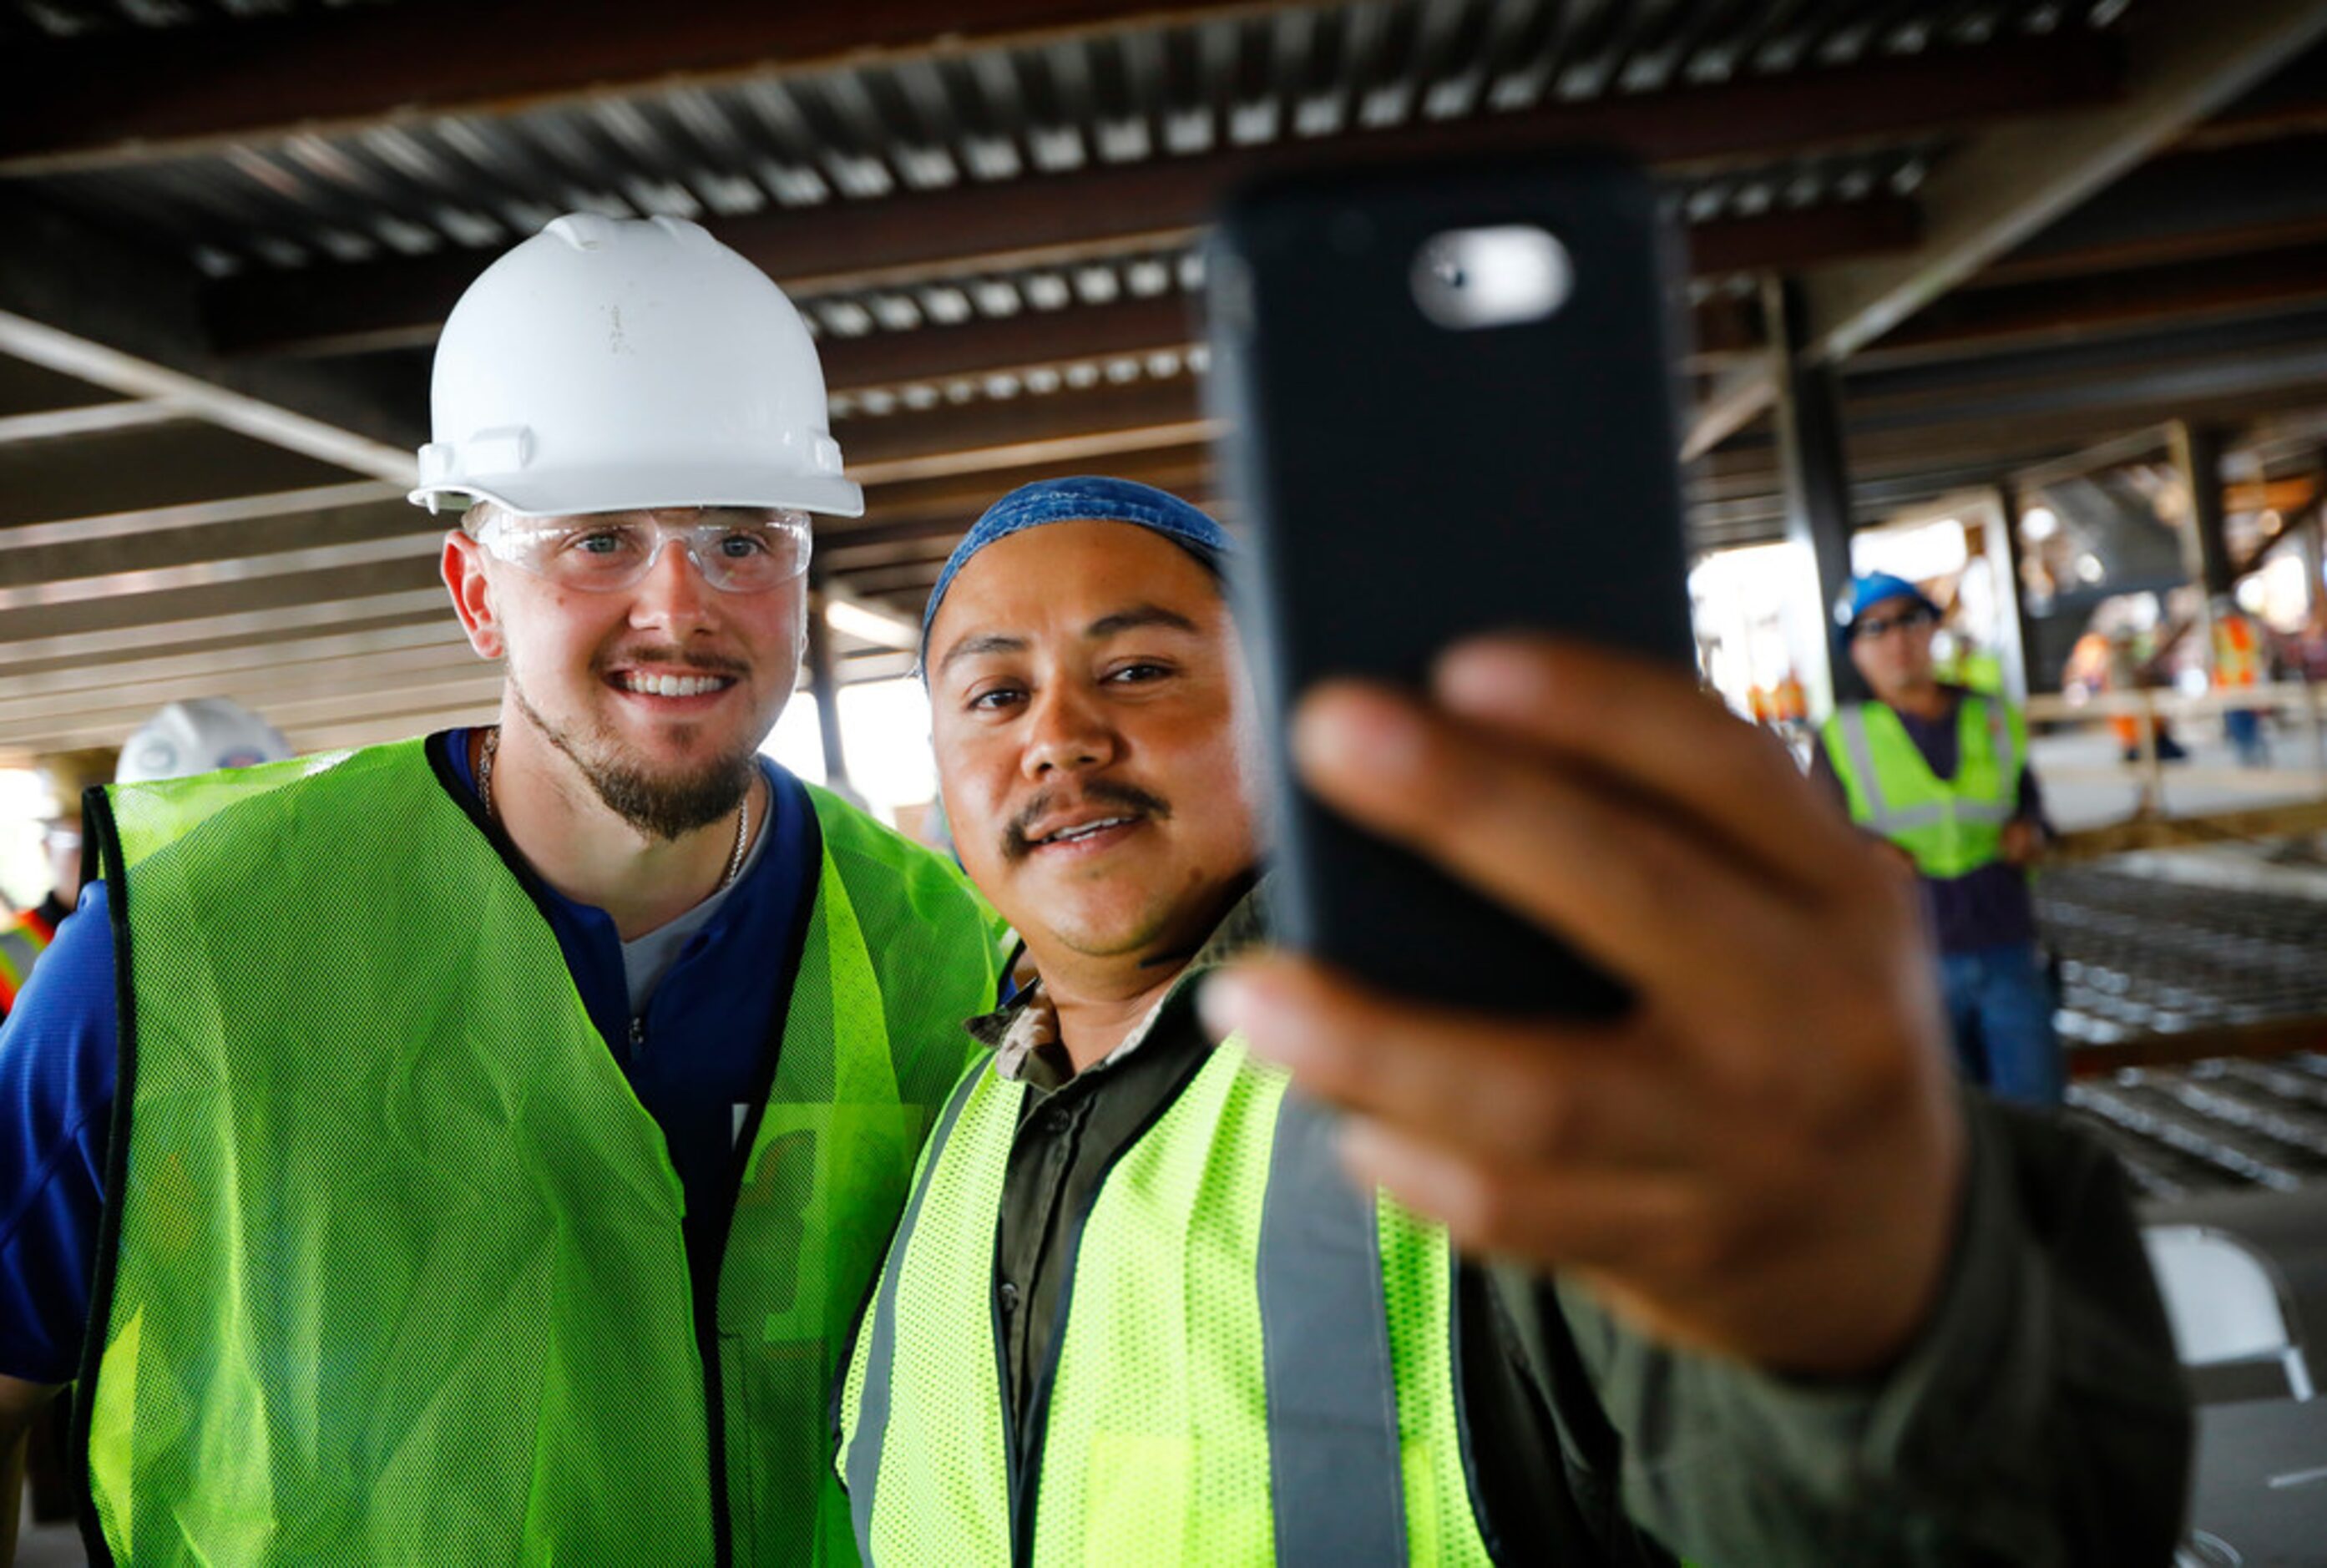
(1467, 279)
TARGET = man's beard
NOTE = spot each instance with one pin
(660, 807)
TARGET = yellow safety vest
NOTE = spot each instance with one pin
(1951, 826)
(1256, 1364)
(393, 1269)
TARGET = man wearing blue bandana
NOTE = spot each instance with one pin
(1219, 1256)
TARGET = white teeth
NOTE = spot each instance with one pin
(1068, 835)
(671, 686)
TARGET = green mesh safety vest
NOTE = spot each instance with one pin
(1258, 1363)
(1951, 826)
(392, 1269)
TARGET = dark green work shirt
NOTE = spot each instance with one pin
(2040, 1418)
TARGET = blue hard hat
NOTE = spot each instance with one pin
(1878, 588)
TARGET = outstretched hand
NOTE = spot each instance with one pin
(1763, 1158)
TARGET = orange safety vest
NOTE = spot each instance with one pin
(22, 943)
(2235, 660)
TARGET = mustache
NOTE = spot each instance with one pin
(671, 653)
(1017, 846)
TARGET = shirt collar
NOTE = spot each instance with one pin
(1023, 1035)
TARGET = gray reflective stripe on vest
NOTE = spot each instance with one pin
(1880, 817)
(1852, 722)
(881, 1355)
(1334, 1476)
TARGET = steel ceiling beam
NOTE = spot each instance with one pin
(261, 685)
(56, 681)
(217, 571)
(88, 727)
(29, 389)
(1164, 202)
(76, 301)
(128, 563)
(1135, 328)
(273, 599)
(234, 510)
(2186, 59)
(26, 650)
(1978, 318)
(152, 94)
(92, 419)
(2185, 205)
(908, 504)
(162, 467)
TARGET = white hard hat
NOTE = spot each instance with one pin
(616, 364)
(200, 736)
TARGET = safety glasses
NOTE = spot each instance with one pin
(738, 549)
(1875, 630)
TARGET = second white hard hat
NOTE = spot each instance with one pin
(616, 364)
(199, 736)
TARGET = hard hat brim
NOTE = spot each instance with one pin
(637, 488)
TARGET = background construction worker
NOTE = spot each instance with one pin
(1942, 774)
(26, 934)
(1770, 1288)
(200, 735)
(2241, 660)
(509, 1119)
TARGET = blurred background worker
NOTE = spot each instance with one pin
(1942, 773)
(201, 735)
(2242, 661)
(497, 1129)
(27, 933)
(2111, 658)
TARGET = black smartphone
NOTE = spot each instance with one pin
(1450, 395)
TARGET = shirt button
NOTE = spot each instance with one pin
(1009, 1294)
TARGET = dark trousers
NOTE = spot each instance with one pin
(2000, 1006)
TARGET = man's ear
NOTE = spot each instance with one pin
(472, 593)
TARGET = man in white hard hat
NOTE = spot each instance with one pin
(498, 1182)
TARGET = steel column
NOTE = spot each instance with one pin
(825, 689)
(1816, 474)
(2019, 674)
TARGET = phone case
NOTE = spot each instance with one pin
(1402, 483)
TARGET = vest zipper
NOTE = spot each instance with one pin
(638, 1036)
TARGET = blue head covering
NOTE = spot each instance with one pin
(1879, 588)
(1086, 497)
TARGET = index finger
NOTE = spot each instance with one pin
(1649, 727)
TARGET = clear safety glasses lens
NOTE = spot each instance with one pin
(1876, 631)
(738, 550)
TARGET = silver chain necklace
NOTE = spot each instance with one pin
(742, 814)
